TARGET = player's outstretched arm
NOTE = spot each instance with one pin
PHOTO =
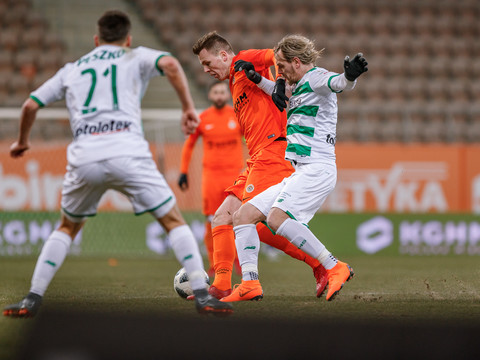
(27, 118)
(354, 68)
(175, 74)
(249, 70)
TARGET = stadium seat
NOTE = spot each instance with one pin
(347, 127)
(53, 41)
(456, 127)
(9, 39)
(473, 131)
(18, 84)
(368, 126)
(434, 129)
(392, 128)
(414, 123)
(33, 38)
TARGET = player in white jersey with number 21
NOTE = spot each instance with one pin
(311, 134)
(103, 92)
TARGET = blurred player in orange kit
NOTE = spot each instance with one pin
(222, 156)
(264, 128)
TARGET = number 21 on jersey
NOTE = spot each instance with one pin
(109, 72)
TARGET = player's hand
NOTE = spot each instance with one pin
(356, 67)
(17, 149)
(183, 181)
(190, 121)
(278, 95)
(249, 70)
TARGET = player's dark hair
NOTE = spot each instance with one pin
(212, 41)
(114, 26)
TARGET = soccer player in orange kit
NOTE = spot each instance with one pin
(222, 156)
(264, 129)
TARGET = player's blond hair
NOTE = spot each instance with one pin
(298, 46)
(212, 41)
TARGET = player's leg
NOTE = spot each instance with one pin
(188, 255)
(147, 190)
(268, 169)
(208, 241)
(224, 251)
(303, 194)
(214, 183)
(248, 246)
(269, 237)
(82, 190)
(51, 258)
(183, 244)
(300, 235)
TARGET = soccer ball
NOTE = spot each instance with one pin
(181, 283)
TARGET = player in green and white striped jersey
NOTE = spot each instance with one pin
(311, 133)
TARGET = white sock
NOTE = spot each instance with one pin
(186, 250)
(51, 258)
(301, 236)
(327, 259)
(248, 247)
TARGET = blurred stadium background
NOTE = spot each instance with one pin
(408, 135)
(405, 210)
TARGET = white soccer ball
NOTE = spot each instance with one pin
(181, 283)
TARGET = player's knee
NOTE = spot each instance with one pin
(241, 217)
(274, 221)
(247, 214)
(221, 218)
(172, 219)
(272, 224)
(237, 217)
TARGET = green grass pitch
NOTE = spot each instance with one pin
(398, 289)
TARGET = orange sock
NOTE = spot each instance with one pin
(281, 243)
(208, 240)
(223, 255)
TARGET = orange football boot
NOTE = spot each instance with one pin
(247, 290)
(337, 276)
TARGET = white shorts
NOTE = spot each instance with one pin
(301, 194)
(136, 178)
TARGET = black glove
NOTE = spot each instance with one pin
(356, 67)
(249, 69)
(278, 95)
(183, 181)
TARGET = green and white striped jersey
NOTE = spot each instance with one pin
(312, 116)
(103, 92)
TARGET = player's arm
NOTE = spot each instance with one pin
(175, 74)
(27, 118)
(50, 91)
(274, 89)
(277, 90)
(353, 69)
(187, 151)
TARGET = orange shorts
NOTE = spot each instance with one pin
(268, 167)
(214, 183)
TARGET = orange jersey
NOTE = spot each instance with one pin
(268, 167)
(260, 120)
(222, 141)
